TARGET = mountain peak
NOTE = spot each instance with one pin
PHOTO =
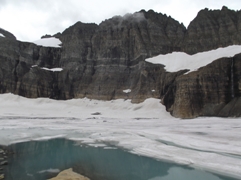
(7, 34)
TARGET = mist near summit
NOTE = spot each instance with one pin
(29, 20)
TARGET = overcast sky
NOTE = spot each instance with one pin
(28, 20)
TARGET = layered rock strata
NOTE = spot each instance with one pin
(210, 91)
(212, 29)
(101, 61)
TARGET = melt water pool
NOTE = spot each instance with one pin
(40, 160)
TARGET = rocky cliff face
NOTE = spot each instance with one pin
(100, 61)
(17, 74)
(7, 34)
(213, 90)
(212, 29)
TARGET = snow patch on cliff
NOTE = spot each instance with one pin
(127, 91)
(177, 61)
(52, 69)
(48, 42)
(49, 69)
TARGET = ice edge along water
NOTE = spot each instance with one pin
(211, 144)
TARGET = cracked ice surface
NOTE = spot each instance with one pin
(147, 129)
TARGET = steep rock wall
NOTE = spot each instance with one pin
(17, 74)
(100, 61)
(213, 90)
(212, 29)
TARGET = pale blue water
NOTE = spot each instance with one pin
(40, 160)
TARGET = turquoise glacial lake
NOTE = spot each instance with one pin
(40, 160)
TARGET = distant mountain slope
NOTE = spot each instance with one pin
(212, 29)
(100, 61)
(7, 34)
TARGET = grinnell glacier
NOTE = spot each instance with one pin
(135, 97)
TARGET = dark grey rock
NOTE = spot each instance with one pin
(208, 91)
(100, 61)
(2, 163)
(212, 29)
(7, 34)
(96, 113)
(46, 36)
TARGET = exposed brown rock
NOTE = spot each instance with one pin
(68, 174)
(208, 91)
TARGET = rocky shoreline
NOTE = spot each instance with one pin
(3, 161)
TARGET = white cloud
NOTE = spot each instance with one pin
(29, 20)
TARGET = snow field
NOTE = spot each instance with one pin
(177, 61)
(48, 42)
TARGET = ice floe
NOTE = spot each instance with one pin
(147, 129)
